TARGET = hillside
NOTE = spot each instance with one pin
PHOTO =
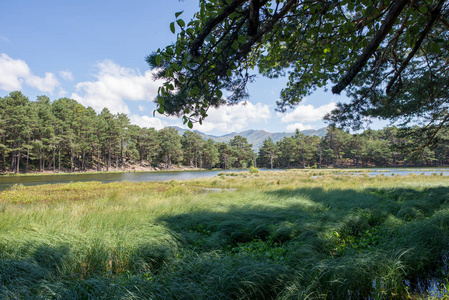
(256, 137)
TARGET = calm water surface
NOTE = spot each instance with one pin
(8, 181)
(403, 172)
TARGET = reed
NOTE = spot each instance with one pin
(278, 235)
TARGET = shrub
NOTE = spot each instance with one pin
(253, 170)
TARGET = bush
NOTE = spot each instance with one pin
(253, 170)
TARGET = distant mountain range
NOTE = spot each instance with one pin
(255, 137)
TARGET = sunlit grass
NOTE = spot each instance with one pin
(285, 235)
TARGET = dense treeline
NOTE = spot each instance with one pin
(390, 146)
(63, 135)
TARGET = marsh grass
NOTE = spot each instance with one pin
(278, 235)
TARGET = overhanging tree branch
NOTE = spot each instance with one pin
(390, 19)
(211, 23)
(268, 26)
(433, 17)
(253, 17)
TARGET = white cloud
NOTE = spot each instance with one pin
(46, 84)
(142, 108)
(66, 75)
(300, 126)
(62, 92)
(12, 73)
(146, 121)
(234, 118)
(113, 85)
(15, 72)
(308, 113)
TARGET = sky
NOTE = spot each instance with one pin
(94, 52)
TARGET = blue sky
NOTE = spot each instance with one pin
(94, 52)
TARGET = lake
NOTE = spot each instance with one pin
(403, 172)
(8, 181)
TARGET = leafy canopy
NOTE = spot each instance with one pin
(391, 57)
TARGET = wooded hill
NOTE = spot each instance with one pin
(255, 137)
(63, 135)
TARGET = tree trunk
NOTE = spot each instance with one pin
(71, 160)
(109, 159)
(40, 159)
(83, 164)
(196, 158)
(4, 154)
(78, 162)
(43, 159)
(319, 164)
(18, 163)
(4, 160)
(28, 154)
(121, 152)
(59, 158)
(12, 159)
(51, 163)
(99, 160)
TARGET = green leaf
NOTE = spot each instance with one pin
(235, 45)
(170, 51)
(436, 48)
(175, 67)
(160, 110)
(178, 13)
(423, 9)
(241, 39)
(158, 59)
(371, 11)
(172, 27)
(219, 93)
(229, 71)
(181, 22)
(190, 124)
(190, 32)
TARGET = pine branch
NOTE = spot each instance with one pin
(388, 23)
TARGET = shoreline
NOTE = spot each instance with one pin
(128, 169)
(176, 168)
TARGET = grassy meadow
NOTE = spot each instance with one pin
(301, 234)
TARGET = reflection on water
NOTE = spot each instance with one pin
(393, 172)
(8, 181)
(404, 172)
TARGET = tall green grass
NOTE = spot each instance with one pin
(279, 235)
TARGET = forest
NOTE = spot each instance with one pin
(64, 136)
